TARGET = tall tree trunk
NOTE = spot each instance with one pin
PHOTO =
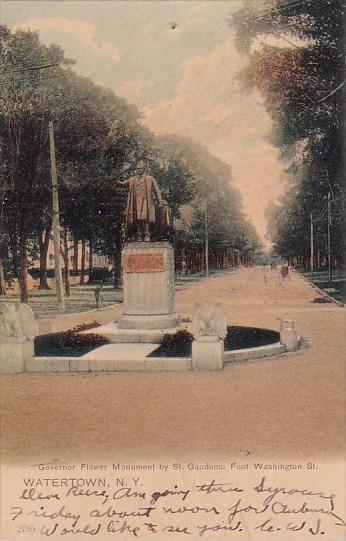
(90, 262)
(64, 254)
(23, 272)
(3, 290)
(82, 266)
(14, 254)
(116, 269)
(75, 255)
(43, 241)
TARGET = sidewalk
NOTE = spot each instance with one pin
(288, 406)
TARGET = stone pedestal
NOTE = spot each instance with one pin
(208, 353)
(288, 335)
(148, 277)
(13, 354)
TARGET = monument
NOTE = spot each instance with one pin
(147, 257)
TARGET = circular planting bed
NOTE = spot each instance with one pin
(180, 343)
(67, 344)
(238, 343)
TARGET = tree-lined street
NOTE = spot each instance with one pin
(295, 53)
(287, 406)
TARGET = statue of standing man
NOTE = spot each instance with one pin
(145, 206)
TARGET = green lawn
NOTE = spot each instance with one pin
(82, 298)
(337, 287)
(181, 279)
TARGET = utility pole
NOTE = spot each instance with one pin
(56, 223)
(311, 245)
(329, 246)
(206, 241)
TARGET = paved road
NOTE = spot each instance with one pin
(288, 406)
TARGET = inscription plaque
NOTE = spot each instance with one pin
(145, 262)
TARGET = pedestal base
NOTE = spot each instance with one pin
(148, 322)
(13, 354)
(208, 354)
(148, 276)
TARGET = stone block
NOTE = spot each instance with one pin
(80, 364)
(208, 353)
(47, 364)
(289, 338)
(288, 335)
(286, 324)
(13, 354)
(148, 277)
(168, 364)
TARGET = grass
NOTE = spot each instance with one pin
(181, 279)
(337, 287)
(82, 298)
(43, 302)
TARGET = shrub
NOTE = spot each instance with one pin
(175, 345)
(68, 343)
(73, 339)
(86, 326)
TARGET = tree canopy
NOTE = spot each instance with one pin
(99, 138)
(296, 60)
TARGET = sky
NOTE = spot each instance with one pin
(176, 60)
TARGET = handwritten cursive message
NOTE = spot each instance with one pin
(173, 503)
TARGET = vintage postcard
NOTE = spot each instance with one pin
(172, 272)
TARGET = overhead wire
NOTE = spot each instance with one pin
(321, 215)
(277, 9)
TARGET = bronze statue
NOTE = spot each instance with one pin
(145, 206)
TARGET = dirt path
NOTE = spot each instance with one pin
(289, 406)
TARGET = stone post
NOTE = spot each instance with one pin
(17, 337)
(14, 352)
(288, 335)
(208, 353)
(209, 328)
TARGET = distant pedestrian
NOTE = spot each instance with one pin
(98, 290)
(285, 272)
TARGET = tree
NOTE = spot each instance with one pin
(206, 195)
(26, 97)
(96, 133)
(98, 139)
(296, 60)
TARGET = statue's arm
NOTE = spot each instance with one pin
(123, 182)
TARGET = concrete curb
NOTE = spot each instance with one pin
(254, 353)
(320, 291)
(163, 364)
(75, 365)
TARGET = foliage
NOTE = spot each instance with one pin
(68, 343)
(214, 200)
(99, 139)
(175, 345)
(85, 327)
(296, 60)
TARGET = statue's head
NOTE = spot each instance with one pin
(141, 168)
